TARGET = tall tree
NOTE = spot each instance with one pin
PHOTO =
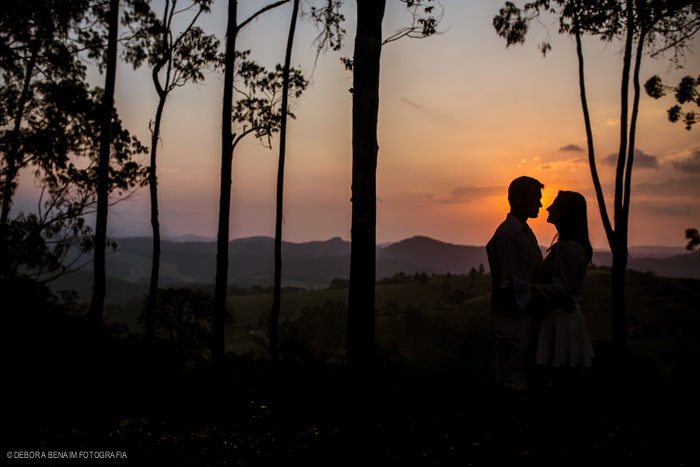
(49, 119)
(277, 289)
(259, 117)
(654, 24)
(36, 58)
(99, 288)
(52, 241)
(175, 60)
(365, 109)
(331, 36)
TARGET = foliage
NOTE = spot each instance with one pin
(423, 22)
(185, 316)
(398, 278)
(258, 110)
(41, 72)
(49, 122)
(42, 241)
(328, 19)
(685, 92)
(184, 56)
(316, 337)
(666, 25)
(693, 239)
(94, 29)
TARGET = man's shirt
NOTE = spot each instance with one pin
(512, 252)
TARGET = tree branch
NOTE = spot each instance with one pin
(259, 12)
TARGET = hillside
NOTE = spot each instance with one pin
(663, 317)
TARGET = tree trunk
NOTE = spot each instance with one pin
(619, 244)
(275, 315)
(99, 289)
(589, 139)
(365, 108)
(218, 350)
(155, 224)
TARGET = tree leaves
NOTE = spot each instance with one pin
(258, 110)
(685, 92)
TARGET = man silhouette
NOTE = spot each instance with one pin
(513, 252)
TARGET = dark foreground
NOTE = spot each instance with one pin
(66, 393)
(443, 437)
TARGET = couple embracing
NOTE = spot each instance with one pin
(535, 317)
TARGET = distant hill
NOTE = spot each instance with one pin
(423, 254)
(312, 265)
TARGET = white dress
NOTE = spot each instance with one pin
(563, 338)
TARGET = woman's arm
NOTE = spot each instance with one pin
(568, 271)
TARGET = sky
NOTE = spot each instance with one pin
(460, 116)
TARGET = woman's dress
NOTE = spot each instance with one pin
(563, 338)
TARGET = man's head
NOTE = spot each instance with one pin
(524, 195)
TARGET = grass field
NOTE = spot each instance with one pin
(663, 314)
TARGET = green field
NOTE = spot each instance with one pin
(663, 316)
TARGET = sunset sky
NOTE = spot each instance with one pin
(460, 117)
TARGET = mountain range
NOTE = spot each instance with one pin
(312, 265)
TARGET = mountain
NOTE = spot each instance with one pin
(423, 254)
(312, 265)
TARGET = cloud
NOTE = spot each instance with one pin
(641, 160)
(691, 164)
(613, 121)
(687, 187)
(469, 193)
(666, 211)
(572, 147)
(411, 103)
(429, 196)
(572, 164)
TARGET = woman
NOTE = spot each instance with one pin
(563, 340)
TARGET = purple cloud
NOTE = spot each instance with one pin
(572, 147)
(691, 164)
(641, 160)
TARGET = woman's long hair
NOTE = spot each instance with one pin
(574, 221)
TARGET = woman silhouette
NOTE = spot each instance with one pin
(563, 340)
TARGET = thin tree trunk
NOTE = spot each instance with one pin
(633, 125)
(589, 139)
(99, 288)
(275, 315)
(365, 108)
(11, 157)
(153, 178)
(619, 245)
(155, 224)
(218, 350)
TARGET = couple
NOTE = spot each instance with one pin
(535, 317)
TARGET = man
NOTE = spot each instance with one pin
(513, 252)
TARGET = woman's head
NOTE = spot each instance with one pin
(568, 213)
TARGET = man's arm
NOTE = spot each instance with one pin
(503, 259)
